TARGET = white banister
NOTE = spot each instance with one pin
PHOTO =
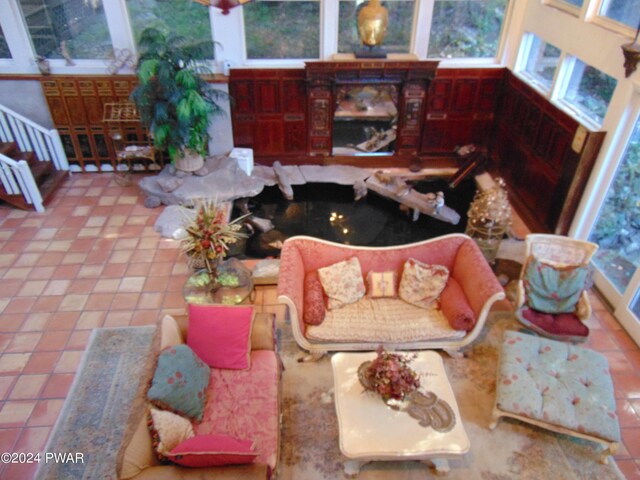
(17, 179)
(31, 137)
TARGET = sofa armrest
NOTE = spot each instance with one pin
(291, 280)
(262, 330)
(231, 472)
(475, 277)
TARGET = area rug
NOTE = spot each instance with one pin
(98, 405)
(513, 450)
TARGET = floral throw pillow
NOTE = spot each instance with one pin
(342, 282)
(422, 284)
(553, 289)
(381, 284)
(180, 382)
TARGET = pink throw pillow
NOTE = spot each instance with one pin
(456, 308)
(421, 284)
(212, 451)
(221, 335)
(314, 310)
(381, 284)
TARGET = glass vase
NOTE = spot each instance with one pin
(488, 238)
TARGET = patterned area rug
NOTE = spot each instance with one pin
(310, 447)
(97, 409)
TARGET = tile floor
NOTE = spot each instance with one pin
(93, 260)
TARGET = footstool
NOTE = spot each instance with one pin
(559, 387)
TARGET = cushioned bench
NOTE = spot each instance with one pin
(557, 386)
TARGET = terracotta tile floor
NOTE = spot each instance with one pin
(93, 260)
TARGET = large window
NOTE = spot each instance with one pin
(542, 62)
(589, 91)
(398, 37)
(282, 29)
(183, 18)
(466, 28)
(4, 48)
(70, 29)
(623, 11)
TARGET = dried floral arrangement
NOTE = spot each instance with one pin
(209, 235)
(491, 208)
(389, 375)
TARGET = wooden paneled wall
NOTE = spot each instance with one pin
(545, 156)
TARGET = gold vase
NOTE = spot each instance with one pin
(372, 23)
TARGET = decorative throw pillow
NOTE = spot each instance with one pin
(456, 308)
(221, 335)
(213, 450)
(381, 284)
(422, 284)
(552, 289)
(314, 310)
(180, 382)
(342, 282)
(168, 430)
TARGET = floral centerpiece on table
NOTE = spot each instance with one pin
(209, 235)
(389, 375)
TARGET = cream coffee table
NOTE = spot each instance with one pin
(370, 430)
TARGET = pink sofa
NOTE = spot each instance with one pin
(472, 287)
(240, 403)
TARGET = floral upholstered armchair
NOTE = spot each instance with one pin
(552, 298)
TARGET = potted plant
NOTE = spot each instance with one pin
(173, 100)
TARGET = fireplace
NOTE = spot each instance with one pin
(367, 108)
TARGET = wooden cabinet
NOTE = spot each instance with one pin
(545, 170)
(461, 108)
(76, 104)
(269, 111)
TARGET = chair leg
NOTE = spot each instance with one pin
(611, 450)
(495, 418)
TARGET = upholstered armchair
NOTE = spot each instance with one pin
(552, 298)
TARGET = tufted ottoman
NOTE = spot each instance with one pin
(557, 386)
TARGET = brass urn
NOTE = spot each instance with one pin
(372, 23)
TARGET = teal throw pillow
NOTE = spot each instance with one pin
(180, 382)
(553, 289)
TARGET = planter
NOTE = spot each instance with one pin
(189, 162)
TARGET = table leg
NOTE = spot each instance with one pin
(441, 465)
(352, 467)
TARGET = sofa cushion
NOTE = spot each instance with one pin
(383, 320)
(313, 299)
(212, 450)
(244, 404)
(221, 334)
(559, 326)
(421, 284)
(382, 284)
(342, 282)
(456, 308)
(168, 431)
(553, 289)
(180, 382)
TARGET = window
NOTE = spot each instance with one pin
(183, 18)
(589, 91)
(282, 29)
(577, 3)
(4, 48)
(617, 228)
(398, 37)
(542, 61)
(623, 11)
(73, 29)
(466, 28)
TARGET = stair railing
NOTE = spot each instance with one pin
(16, 177)
(31, 137)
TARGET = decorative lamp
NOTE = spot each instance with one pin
(224, 5)
(631, 52)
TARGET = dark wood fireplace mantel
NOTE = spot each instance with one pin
(412, 79)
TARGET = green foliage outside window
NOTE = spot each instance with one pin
(282, 29)
(617, 230)
(466, 28)
(4, 48)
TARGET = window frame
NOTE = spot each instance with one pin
(524, 52)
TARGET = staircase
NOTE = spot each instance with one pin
(32, 161)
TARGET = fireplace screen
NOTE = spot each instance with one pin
(365, 119)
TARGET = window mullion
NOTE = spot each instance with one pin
(422, 28)
(17, 37)
(120, 29)
(329, 12)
